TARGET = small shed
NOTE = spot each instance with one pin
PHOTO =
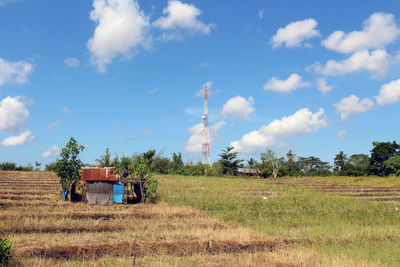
(248, 172)
(100, 183)
(104, 186)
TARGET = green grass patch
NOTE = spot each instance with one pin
(339, 225)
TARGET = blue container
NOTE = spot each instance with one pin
(118, 193)
(64, 194)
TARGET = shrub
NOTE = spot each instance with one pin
(7, 166)
(150, 191)
(6, 250)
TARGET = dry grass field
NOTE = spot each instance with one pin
(47, 231)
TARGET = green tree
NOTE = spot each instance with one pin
(251, 162)
(392, 165)
(360, 164)
(149, 158)
(105, 159)
(67, 168)
(381, 152)
(177, 166)
(313, 166)
(271, 162)
(229, 162)
(292, 168)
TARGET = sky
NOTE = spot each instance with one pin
(315, 77)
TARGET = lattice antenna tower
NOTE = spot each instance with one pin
(206, 131)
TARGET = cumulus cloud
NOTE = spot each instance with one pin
(376, 62)
(13, 114)
(181, 16)
(379, 30)
(14, 72)
(121, 27)
(18, 140)
(352, 105)
(194, 144)
(294, 33)
(238, 107)
(389, 93)
(303, 121)
(72, 62)
(341, 135)
(323, 86)
(292, 83)
(51, 152)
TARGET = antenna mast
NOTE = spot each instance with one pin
(206, 131)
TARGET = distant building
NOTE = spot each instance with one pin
(248, 172)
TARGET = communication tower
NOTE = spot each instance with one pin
(206, 131)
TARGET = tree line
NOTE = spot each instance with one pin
(383, 160)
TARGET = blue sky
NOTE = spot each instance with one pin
(316, 77)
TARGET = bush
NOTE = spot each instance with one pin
(51, 167)
(150, 191)
(6, 250)
(7, 166)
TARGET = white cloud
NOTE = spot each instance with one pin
(323, 87)
(65, 110)
(389, 93)
(51, 152)
(341, 135)
(376, 62)
(260, 14)
(379, 30)
(285, 86)
(179, 15)
(53, 125)
(352, 105)
(194, 144)
(13, 114)
(18, 140)
(238, 107)
(72, 62)
(294, 33)
(303, 121)
(121, 27)
(14, 72)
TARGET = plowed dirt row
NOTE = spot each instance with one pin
(25, 197)
(98, 215)
(28, 192)
(140, 248)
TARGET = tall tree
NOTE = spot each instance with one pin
(68, 167)
(381, 152)
(360, 164)
(229, 162)
(272, 162)
(251, 162)
(313, 166)
(105, 159)
(149, 158)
